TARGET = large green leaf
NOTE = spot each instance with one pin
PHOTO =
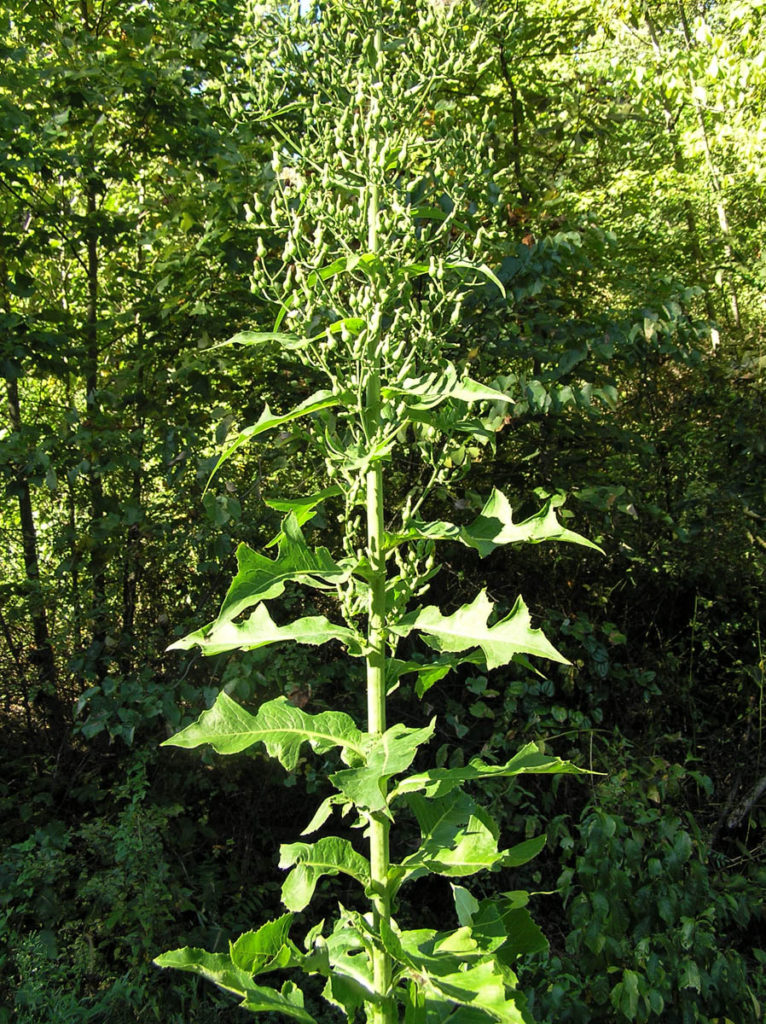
(259, 630)
(349, 948)
(502, 925)
(385, 756)
(438, 782)
(219, 968)
(451, 968)
(458, 838)
(494, 527)
(468, 627)
(260, 578)
(265, 949)
(268, 420)
(280, 726)
(328, 856)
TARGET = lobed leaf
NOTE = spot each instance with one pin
(468, 627)
(458, 838)
(494, 527)
(260, 578)
(385, 756)
(268, 420)
(302, 508)
(220, 969)
(328, 856)
(442, 384)
(438, 782)
(350, 983)
(259, 630)
(281, 727)
(451, 967)
(265, 949)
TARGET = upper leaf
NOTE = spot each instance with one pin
(268, 420)
(440, 385)
(260, 578)
(468, 627)
(304, 508)
(280, 726)
(494, 527)
(260, 629)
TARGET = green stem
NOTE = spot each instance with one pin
(383, 1013)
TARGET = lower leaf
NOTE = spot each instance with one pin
(222, 971)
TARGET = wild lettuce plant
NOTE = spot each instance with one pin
(370, 237)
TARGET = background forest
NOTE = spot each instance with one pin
(620, 205)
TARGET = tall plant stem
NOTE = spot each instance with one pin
(384, 1012)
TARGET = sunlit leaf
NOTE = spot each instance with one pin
(385, 756)
(440, 385)
(438, 782)
(494, 527)
(310, 861)
(268, 420)
(280, 726)
(468, 627)
(219, 968)
(260, 578)
(458, 837)
(259, 630)
(264, 949)
(452, 968)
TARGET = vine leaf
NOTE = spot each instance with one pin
(260, 629)
(385, 756)
(328, 856)
(260, 578)
(438, 782)
(220, 969)
(468, 627)
(494, 527)
(268, 420)
(280, 726)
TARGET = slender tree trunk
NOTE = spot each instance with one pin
(679, 165)
(715, 178)
(130, 571)
(42, 656)
(95, 484)
(516, 114)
